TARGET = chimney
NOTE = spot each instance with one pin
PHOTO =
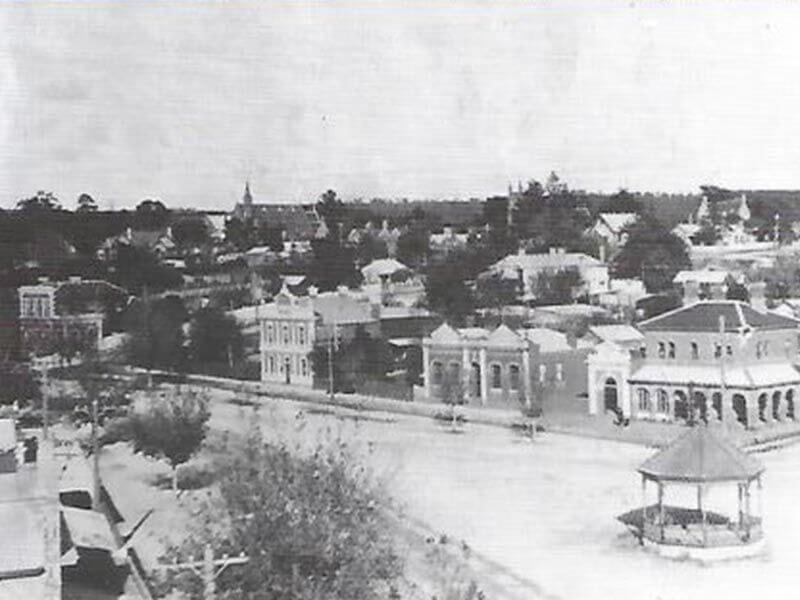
(341, 290)
(691, 292)
(312, 291)
(385, 225)
(758, 300)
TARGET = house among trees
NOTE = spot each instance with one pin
(156, 241)
(537, 274)
(612, 228)
(66, 317)
(709, 360)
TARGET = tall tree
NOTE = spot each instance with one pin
(156, 333)
(86, 204)
(622, 202)
(41, 202)
(652, 254)
(215, 340)
(333, 212)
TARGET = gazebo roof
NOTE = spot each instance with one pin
(701, 455)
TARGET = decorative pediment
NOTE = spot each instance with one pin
(504, 336)
(444, 334)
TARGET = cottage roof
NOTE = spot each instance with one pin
(753, 376)
(342, 308)
(709, 276)
(550, 260)
(382, 267)
(701, 455)
(618, 334)
(618, 221)
(705, 316)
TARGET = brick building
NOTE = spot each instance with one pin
(717, 360)
(502, 368)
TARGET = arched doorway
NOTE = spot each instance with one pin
(475, 380)
(716, 404)
(776, 406)
(610, 395)
(700, 406)
(739, 404)
(680, 407)
(762, 407)
(789, 395)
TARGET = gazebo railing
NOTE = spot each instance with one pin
(685, 527)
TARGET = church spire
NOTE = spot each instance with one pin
(248, 197)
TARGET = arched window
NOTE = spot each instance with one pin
(695, 351)
(513, 377)
(662, 352)
(729, 350)
(542, 373)
(437, 373)
(497, 377)
(454, 369)
(662, 402)
(717, 350)
(672, 350)
(644, 399)
(270, 333)
(303, 367)
(559, 372)
(271, 362)
(643, 351)
(286, 335)
(301, 335)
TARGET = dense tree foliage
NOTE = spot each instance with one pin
(215, 341)
(41, 202)
(312, 524)
(559, 287)
(156, 333)
(139, 271)
(492, 290)
(171, 428)
(622, 202)
(86, 204)
(355, 362)
(652, 254)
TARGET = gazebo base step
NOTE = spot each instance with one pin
(707, 554)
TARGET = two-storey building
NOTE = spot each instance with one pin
(291, 326)
(715, 360)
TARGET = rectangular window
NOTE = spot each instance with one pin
(270, 334)
(285, 335)
(672, 350)
(643, 351)
(729, 350)
(497, 377)
(559, 372)
(542, 373)
(301, 333)
(513, 377)
(695, 351)
(436, 373)
(303, 367)
(662, 352)
(717, 350)
(271, 364)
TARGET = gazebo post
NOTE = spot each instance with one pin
(644, 504)
(661, 508)
(747, 509)
(740, 493)
(702, 513)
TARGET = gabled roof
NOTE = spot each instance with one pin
(382, 267)
(505, 337)
(549, 260)
(705, 316)
(701, 276)
(701, 455)
(548, 340)
(618, 221)
(444, 334)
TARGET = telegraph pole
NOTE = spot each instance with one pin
(330, 362)
(95, 457)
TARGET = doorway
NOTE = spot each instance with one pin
(610, 395)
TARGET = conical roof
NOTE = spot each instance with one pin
(701, 455)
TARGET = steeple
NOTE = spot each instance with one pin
(247, 198)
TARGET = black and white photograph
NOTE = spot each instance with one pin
(399, 300)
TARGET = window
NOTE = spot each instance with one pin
(454, 369)
(271, 364)
(662, 352)
(644, 399)
(766, 348)
(663, 402)
(729, 350)
(513, 377)
(303, 367)
(286, 335)
(497, 377)
(542, 373)
(695, 351)
(717, 350)
(559, 372)
(672, 350)
(758, 349)
(436, 369)
(270, 334)
(643, 351)
(301, 335)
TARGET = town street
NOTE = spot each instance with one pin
(545, 510)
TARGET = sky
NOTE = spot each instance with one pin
(185, 101)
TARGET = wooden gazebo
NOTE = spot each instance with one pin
(702, 457)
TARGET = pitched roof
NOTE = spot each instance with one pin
(382, 267)
(298, 221)
(618, 221)
(505, 337)
(444, 334)
(549, 260)
(754, 376)
(705, 316)
(701, 455)
(701, 276)
(619, 334)
(548, 340)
